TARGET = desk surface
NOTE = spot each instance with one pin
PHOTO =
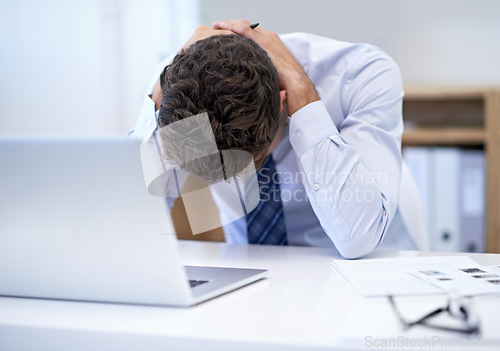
(304, 304)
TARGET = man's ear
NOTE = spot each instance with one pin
(282, 99)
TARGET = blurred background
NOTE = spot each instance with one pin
(82, 66)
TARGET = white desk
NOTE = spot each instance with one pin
(303, 305)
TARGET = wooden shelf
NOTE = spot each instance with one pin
(439, 92)
(444, 136)
(460, 116)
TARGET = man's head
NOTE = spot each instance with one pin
(234, 81)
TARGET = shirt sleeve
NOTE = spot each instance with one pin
(352, 173)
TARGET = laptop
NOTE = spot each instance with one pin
(77, 223)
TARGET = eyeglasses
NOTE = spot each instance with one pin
(458, 309)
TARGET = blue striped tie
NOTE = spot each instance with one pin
(266, 223)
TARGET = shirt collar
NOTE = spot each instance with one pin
(146, 124)
(161, 177)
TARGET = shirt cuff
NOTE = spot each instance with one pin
(309, 126)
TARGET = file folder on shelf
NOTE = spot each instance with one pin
(472, 201)
(445, 236)
(452, 186)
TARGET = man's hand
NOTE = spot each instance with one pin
(203, 32)
(292, 78)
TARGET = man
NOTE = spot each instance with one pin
(337, 156)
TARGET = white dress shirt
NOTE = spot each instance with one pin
(339, 160)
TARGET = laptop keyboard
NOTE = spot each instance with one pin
(194, 282)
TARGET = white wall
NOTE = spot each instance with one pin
(82, 66)
(433, 41)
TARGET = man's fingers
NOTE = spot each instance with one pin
(240, 27)
(203, 32)
(218, 25)
(226, 24)
(222, 32)
(212, 31)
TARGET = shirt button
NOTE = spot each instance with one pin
(149, 123)
(298, 135)
(316, 186)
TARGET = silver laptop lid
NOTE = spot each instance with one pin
(76, 222)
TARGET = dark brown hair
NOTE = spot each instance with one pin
(233, 80)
